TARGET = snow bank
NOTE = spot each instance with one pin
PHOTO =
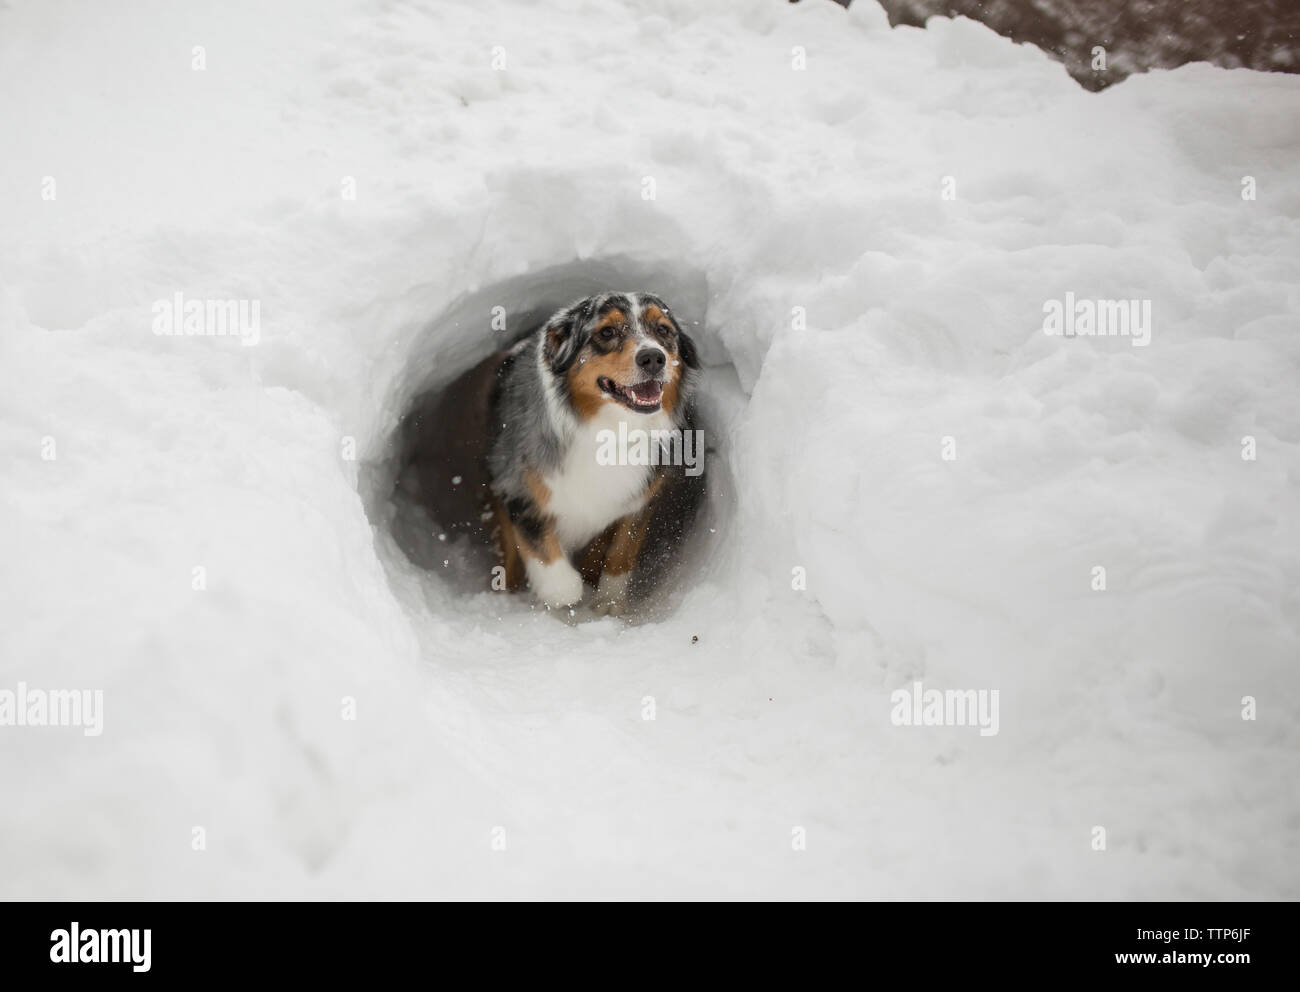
(858, 327)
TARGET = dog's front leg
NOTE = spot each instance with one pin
(620, 559)
(554, 581)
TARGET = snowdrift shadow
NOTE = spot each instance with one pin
(431, 522)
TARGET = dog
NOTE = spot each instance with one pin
(512, 450)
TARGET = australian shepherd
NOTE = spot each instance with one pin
(528, 445)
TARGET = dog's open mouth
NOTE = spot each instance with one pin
(644, 397)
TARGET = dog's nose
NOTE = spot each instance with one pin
(650, 360)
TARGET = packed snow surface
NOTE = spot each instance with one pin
(910, 481)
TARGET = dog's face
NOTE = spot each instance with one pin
(620, 348)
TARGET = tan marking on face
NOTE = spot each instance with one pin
(651, 320)
(652, 317)
(585, 373)
(673, 384)
(614, 318)
(672, 388)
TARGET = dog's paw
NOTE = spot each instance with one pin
(556, 585)
(611, 594)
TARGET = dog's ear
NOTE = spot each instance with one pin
(687, 348)
(563, 336)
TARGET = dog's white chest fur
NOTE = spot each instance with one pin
(588, 495)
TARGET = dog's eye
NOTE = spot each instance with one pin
(666, 330)
(607, 333)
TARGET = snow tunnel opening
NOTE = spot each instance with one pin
(430, 526)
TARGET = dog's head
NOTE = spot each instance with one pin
(621, 348)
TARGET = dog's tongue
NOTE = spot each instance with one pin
(647, 392)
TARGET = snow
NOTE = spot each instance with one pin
(851, 320)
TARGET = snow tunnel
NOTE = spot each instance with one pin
(424, 538)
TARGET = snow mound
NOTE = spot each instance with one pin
(917, 483)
